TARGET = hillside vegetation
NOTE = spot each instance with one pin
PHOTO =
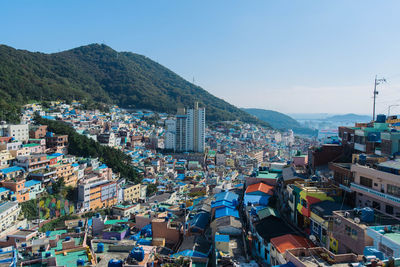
(98, 74)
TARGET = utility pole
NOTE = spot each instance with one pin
(377, 82)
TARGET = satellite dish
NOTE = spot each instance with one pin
(357, 220)
(312, 238)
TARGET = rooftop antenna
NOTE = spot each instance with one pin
(377, 82)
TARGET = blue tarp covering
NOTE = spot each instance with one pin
(256, 200)
(189, 253)
(144, 242)
(200, 220)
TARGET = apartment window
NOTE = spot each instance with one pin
(315, 228)
(376, 205)
(389, 209)
(354, 234)
(366, 181)
(347, 230)
(393, 190)
(304, 203)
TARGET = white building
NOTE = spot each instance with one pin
(19, 132)
(169, 139)
(187, 131)
(9, 212)
(196, 127)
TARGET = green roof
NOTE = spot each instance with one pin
(108, 222)
(71, 258)
(267, 175)
(30, 145)
(395, 237)
(56, 232)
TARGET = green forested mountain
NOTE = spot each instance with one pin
(279, 120)
(97, 73)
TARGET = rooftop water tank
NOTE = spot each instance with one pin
(381, 118)
(137, 254)
(68, 238)
(77, 229)
(48, 254)
(100, 247)
(80, 262)
(367, 215)
(115, 263)
(80, 223)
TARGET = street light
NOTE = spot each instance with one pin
(396, 105)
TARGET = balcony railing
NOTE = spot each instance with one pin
(358, 187)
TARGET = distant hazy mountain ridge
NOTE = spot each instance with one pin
(279, 120)
(351, 117)
(97, 73)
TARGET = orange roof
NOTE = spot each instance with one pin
(285, 242)
(268, 189)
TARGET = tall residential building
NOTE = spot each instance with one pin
(196, 126)
(181, 130)
(187, 131)
(169, 139)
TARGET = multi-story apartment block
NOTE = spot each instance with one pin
(33, 162)
(187, 132)
(9, 212)
(196, 126)
(5, 159)
(97, 195)
(37, 131)
(169, 141)
(21, 193)
(57, 143)
(378, 187)
(108, 139)
(131, 192)
(19, 132)
(350, 229)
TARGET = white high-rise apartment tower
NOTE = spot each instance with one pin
(196, 127)
(187, 131)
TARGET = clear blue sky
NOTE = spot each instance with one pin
(291, 56)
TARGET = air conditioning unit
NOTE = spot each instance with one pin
(357, 220)
(346, 214)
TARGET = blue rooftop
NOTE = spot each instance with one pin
(3, 189)
(221, 238)
(11, 169)
(228, 196)
(56, 155)
(257, 200)
(31, 183)
(223, 203)
(226, 211)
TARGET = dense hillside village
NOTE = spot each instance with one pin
(85, 187)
